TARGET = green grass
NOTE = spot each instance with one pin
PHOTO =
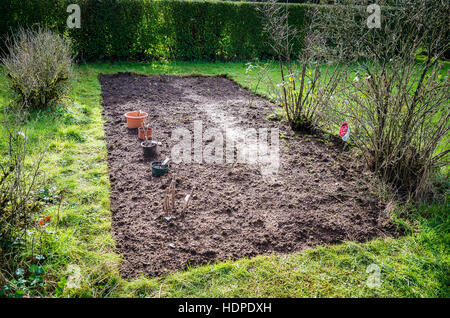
(415, 265)
(412, 266)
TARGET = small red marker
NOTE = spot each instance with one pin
(344, 132)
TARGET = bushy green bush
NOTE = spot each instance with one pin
(181, 30)
(163, 29)
(38, 67)
(154, 29)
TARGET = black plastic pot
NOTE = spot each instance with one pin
(149, 149)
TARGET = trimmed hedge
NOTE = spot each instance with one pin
(155, 29)
(148, 29)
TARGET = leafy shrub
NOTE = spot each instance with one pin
(38, 67)
(156, 29)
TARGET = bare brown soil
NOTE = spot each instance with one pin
(319, 196)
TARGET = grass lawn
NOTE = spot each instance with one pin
(415, 265)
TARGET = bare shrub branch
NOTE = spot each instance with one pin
(396, 105)
(19, 178)
(305, 88)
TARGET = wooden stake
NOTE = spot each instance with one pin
(166, 203)
(172, 189)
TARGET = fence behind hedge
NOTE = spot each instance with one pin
(149, 29)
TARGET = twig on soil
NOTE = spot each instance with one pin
(166, 204)
(188, 200)
(145, 134)
(172, 190)
(169, 200)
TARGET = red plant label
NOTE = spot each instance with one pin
(343, 130)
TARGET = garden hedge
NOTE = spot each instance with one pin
(150, 29)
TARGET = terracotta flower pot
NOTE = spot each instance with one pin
(135, 119)
(145, 131)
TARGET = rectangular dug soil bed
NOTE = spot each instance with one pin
(319, 196)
